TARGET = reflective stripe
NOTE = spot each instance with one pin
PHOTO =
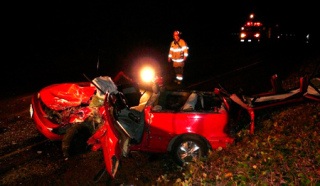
(180, 78)
(177, 60)
(176, 49)
(185, 47)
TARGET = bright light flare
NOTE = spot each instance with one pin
(243, 35)
(147, 74)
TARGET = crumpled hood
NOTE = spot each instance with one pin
(65, 95)
(62, 96)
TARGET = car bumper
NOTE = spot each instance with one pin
(43, 124)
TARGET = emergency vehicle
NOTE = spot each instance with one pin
(252, 31)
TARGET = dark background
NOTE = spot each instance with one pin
(58, 41)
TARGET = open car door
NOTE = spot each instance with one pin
(108, 139)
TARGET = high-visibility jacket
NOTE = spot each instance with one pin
(178, 50)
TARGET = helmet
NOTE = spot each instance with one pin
(177, 32)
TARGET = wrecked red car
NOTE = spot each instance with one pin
(162, 121)
(71, 112)
(185, 123)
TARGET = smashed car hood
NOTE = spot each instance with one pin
(62, 96)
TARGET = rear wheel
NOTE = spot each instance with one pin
(187, 149)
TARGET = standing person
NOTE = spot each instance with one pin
(178, 54)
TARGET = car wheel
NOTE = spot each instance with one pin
(187, 149)
(75, 140)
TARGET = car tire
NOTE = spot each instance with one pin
(188, 148)
(75, 140)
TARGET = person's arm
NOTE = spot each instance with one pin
(185, 51)
(170, 53)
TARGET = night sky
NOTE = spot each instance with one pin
(40, 34)
(106, 23)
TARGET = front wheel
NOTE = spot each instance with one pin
(75, 140)
(187, 149)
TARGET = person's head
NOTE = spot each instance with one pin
(176, 35)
